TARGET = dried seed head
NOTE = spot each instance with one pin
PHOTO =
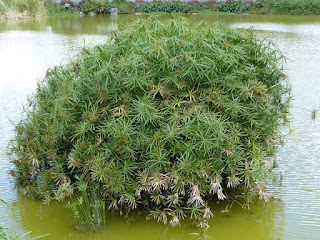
(194, 191)
(202, 224)
(216, 188)
(196, 200)
(233, 181)
(207, 214)
(162, 217)
(173, 199)
(113, 204)
(175, 221)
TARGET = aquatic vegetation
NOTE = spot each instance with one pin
(87, 208)
(165, 115)
(201, 235)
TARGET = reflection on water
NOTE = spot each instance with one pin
(262, 222)
(27, 48)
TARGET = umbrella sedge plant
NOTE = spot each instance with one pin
(166, 115)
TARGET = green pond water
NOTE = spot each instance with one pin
(28, 48)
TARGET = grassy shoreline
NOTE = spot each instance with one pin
(22, 9)
(26, 9)
(264, 7)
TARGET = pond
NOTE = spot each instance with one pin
(28, 48)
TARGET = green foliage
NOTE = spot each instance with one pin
(288, 7)
(103, 6)
(123, 6)
(201, 235)
(97, 6)
(230, 6)
(54, 8)
(87, 209)
(32, 8)
(165, 115)
(168, 7)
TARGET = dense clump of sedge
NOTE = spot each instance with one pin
(165, 115)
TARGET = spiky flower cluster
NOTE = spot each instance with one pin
(165, 115)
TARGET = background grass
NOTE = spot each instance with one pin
(31, 8)
(286, 7)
